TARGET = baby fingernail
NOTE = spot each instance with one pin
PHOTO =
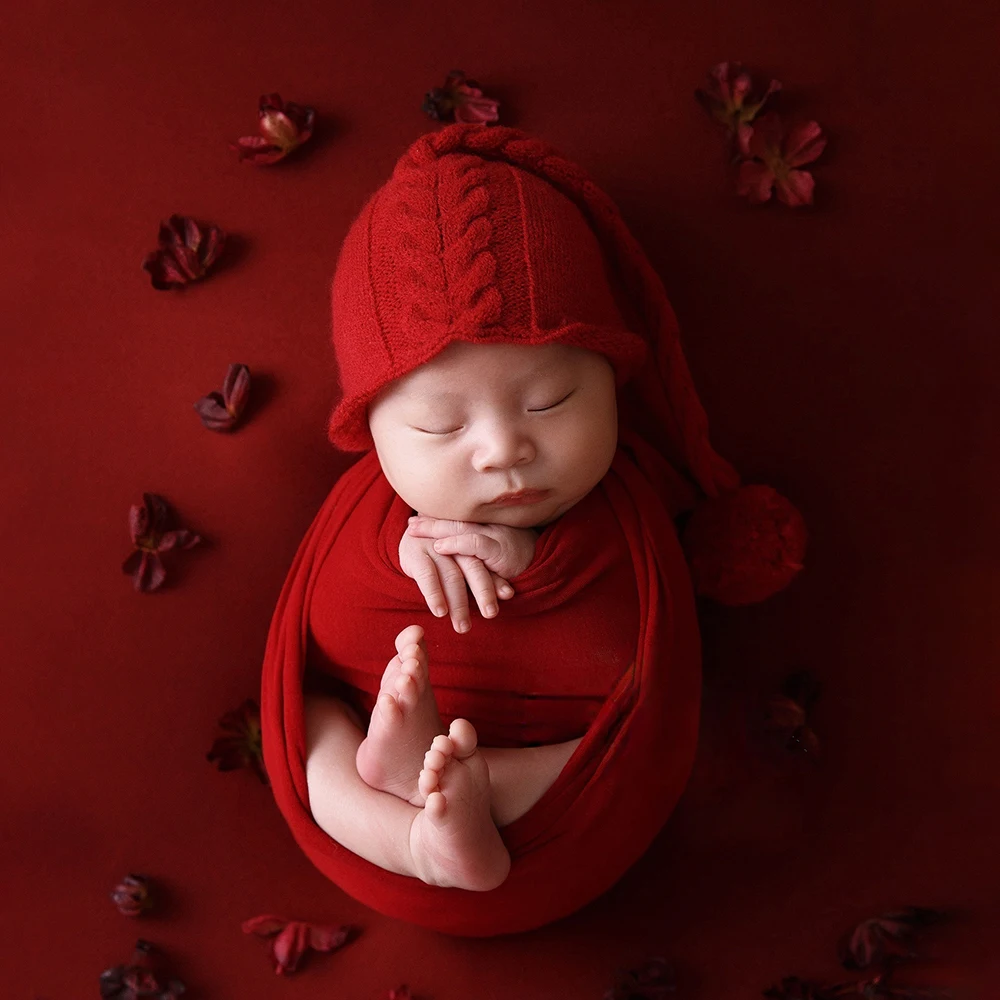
(438, 611)
(463, 626)
(490, 610)
(506, 591)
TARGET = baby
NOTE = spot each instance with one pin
(486, 442)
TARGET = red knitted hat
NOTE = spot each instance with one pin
(489, 235)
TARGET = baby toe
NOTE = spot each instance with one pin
(463, 737)
(434, 760)
(427, 782)
(443, 745)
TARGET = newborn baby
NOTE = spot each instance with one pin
(486, 442)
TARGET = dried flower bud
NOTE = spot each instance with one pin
(460, 100)
(284, 126)
(220, 411)
(132, 895)
(186, 252)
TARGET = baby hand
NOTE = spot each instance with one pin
(443, 555)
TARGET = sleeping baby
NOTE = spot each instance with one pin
(511, 374)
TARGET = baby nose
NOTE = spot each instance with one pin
(504, 447)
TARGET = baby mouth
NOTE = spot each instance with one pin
(520, 497)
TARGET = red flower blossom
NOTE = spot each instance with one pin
(787, 713)
(187, 250)
(460, 100)
(653, 980)
(887, 939)
(147, 526)
(727, 99)
(221, 411)
(131, 895)
(242, 747)
(294, 938)
(136, 979)
(284, 126)
(777, 153)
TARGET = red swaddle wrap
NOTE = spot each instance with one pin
(623, 780)
(489, 235)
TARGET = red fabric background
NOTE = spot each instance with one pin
(847, 356)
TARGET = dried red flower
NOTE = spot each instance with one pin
(132, 895)
(885, 940)
(293, 939)
(787, 713)
(401, 993)
(147, 526)
(728, 100)
(242, 747)
(460, 100)
(137, 980)
(777, 152)
(220, 411)
(653, 980)
(284, 126)
(186, 252)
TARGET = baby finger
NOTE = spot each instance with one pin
(504, 590)
(480, 581)
(455, 591)
(430, 586)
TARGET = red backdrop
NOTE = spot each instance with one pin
(846, 355)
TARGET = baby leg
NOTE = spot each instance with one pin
(454, 844)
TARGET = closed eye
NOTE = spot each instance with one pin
(552, 406)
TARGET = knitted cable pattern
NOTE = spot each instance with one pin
(641, 281)
(445, 232)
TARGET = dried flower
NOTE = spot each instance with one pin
(401, 993)
(243, 746)
(284, 126)
(294, 938)
(186, 251)
(776, 155)
(137, 980)
(885, 940)
(132, 895)
(147, 527)
(727, 99)
(787, 712)
(221, 411)
(460, 100)
(653, 980)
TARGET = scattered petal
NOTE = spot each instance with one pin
(146, 524)
(284, 126)
(651, 981)
(774, 155)
(886, 939)
(220, 411)
(460, 100)
(186, 252)
(400, 993)
(137, 980)
(242, 747)
(132, 895)
(293, 939)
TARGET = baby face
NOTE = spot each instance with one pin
(480, 420)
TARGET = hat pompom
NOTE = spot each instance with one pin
(744, 545)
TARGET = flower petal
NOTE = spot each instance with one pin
(804, 143)
(289, 947)
(264, 925)
(213, 412)
(151, 574)
(236, 388)
(326, 938)
(257, 150)
(795, 189)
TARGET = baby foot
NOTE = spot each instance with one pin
(404, 720)
(453, 840)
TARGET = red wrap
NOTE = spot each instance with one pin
(638, 715)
